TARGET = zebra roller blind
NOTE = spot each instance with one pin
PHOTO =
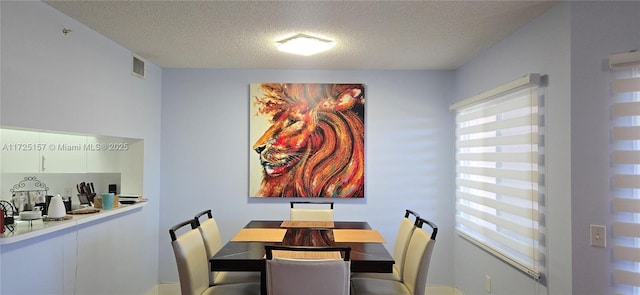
(625, 180)
(499, 172)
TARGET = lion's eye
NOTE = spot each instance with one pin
(292, 121)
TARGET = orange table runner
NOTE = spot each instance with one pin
(307, 254)
(260, 235)
(358, 236)
(277, 235)
(307, 224)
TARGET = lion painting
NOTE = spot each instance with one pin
(313, 145)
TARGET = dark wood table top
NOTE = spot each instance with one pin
(249, 256)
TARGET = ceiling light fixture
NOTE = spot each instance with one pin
(303, 44)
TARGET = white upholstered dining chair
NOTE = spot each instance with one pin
(303, 211)
(414, 272)
(407, 225)
(193, 265)
(308, 276)
(210, 233)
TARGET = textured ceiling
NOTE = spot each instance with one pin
(387, 35)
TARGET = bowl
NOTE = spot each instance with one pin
(30, 215)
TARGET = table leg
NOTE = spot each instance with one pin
(263, 282)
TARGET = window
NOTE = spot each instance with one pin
(625, 180)
(499, 169)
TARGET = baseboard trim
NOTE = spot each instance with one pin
(442, 290)
(168, 288)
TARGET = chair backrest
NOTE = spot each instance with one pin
(307, 213)
(210, 232)
(210, 236)
(287, 276)
(418, 257)
(191, 259)
(407, 226)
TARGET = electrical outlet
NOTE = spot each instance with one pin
(487, 283)
(598, 235)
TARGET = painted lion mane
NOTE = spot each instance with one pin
(314, 146)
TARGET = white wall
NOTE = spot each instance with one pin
(542, 46)
(597, 30)
(80, 84)
(205, 153)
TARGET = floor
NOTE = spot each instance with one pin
(174, 288)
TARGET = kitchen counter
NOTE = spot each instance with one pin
(25, 230)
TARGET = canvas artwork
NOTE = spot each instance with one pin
(307, 140)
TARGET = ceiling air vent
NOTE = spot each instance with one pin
(137, 67)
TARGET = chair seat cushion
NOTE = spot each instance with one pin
(234, 277)
(236, 289)
(367, 286)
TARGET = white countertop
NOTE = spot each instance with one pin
(24, 231)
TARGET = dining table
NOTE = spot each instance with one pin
(245, 251)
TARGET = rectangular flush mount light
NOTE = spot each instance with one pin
(303, 44)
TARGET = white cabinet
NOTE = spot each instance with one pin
(63, 153)
(42, 152)
(20, 151)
